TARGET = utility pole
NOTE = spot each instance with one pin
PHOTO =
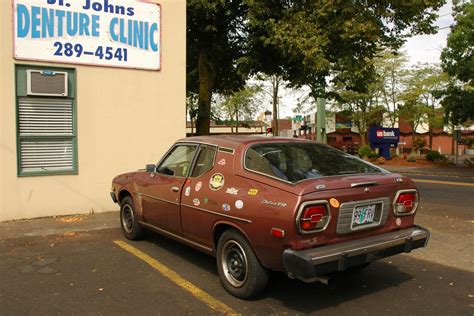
(321, 120)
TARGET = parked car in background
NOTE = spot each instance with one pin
(259, 204)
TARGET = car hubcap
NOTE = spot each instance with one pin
(234, 263)
(127, 218)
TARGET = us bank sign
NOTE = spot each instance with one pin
(115, 33)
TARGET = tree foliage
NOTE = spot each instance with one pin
(362, 107)
(240, 107)
(305, 43)
(458, 61)
(390, 67)
(318, 39)
(422, 86)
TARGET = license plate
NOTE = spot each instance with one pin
(364, 215)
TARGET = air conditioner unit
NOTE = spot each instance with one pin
(46, 83)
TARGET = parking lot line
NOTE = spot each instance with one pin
(467, 184)
(207, 299)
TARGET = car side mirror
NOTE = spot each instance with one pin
(150, 168)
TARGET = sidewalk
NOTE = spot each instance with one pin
(59, 225)
(451, 171)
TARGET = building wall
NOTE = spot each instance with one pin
(442, 143)
(125, 119)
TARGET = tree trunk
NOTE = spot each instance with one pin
(203, 120)
(430, 141)
(275, 87)
(192, 126)
(237, 121)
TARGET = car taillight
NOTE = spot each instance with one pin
(405, 203)
(314, 217)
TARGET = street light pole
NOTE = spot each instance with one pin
(321, 120)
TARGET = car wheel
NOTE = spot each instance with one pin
(241, 273)
(130, 227)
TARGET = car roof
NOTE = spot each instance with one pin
(233, 141)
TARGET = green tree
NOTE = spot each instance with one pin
(416, 96)
(423, 85)
(363, 108)
(458, 61)
(215, 44)
(389, 67)
(240, 107)
(323, 39)
(415, 114)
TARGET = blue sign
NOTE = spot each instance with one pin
(384, 139)
(383, 135)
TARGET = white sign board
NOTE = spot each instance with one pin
(114, 33)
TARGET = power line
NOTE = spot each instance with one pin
(444, 27)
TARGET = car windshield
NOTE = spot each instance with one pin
(297, 161)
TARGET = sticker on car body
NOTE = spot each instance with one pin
(232, 191)
(198, 186)
(187, 191)
(252, 192)
(239, 204)
(216, 182)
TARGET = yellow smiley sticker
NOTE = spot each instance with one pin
(334, 202)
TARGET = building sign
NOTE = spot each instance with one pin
(115, 33)
(342, 121)
(379, 135)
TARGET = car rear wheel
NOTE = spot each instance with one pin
(241, 273)
(130, 227)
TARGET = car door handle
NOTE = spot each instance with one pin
(174, 189)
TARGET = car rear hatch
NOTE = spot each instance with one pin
(358, 206)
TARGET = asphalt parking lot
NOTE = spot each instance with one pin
(82, 265)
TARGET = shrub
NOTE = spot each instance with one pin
(364, 151)
(433, 155)
(419, 143)
(442, 160)
(373, 155)
(380, 160)
(411, 158)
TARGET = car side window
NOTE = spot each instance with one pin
(178, 161)
(205, 160)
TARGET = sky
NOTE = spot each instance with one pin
(419, 49)
(427, 48)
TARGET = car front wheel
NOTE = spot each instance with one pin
(241, 272)
(130, 226)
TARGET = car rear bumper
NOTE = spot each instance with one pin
(310, 263)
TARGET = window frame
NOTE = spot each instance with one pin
(191, 165)
(20, 92)
(244, 163)
(214, 147)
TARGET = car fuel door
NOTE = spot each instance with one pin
(160, 191)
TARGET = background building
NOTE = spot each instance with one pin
(79, 106)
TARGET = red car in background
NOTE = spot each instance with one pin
(261, 204)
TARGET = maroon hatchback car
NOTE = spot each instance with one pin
(261, 204)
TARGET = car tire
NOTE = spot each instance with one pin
(241, 273)
(131, 228)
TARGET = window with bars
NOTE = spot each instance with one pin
(46, 131)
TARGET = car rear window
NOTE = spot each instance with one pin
(296, 161)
